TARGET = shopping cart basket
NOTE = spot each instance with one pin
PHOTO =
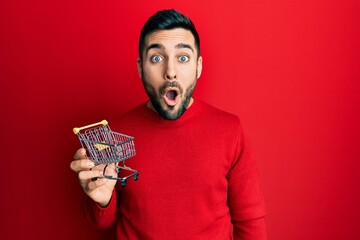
(107, 147)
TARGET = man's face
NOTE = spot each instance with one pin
(169, 70)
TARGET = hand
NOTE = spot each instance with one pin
(91, 178)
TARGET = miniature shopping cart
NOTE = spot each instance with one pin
(108, 147)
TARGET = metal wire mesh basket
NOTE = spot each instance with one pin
(105, 147)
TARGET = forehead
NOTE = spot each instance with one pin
(170, 38)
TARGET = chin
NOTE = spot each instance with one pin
(171, 112)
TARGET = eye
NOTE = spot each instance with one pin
(183, 58)
(156, 59)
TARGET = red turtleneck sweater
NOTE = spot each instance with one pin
(197, 179)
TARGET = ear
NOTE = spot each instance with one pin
(199, 67)
(139, 67)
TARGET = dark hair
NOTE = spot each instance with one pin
(167, 20)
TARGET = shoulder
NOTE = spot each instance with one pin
(134, 112)
(130, 118)
(218, 115)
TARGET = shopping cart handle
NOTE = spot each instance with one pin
(77, 130)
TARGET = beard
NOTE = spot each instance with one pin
(156, 97)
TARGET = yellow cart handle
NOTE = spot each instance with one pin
(77, 130)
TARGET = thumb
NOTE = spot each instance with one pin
(80, 154)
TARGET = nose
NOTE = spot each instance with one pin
(170, 71)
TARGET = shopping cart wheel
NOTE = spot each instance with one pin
(136, 177)
(123, 183)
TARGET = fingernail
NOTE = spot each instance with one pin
(91, 164)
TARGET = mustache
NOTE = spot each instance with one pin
(172, 84)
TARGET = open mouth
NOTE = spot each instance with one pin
(171, 96)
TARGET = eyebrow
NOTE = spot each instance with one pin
(184, 45)
(177, 46)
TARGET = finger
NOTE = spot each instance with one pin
(99, 167)
(81, 165)
(111, 170)
(98, 183)
(80, 154)
(85, 176)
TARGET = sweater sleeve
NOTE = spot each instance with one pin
(245, 197)
(101, 217)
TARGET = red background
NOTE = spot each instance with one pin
(289, 69)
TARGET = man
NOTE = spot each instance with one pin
(198, 175)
